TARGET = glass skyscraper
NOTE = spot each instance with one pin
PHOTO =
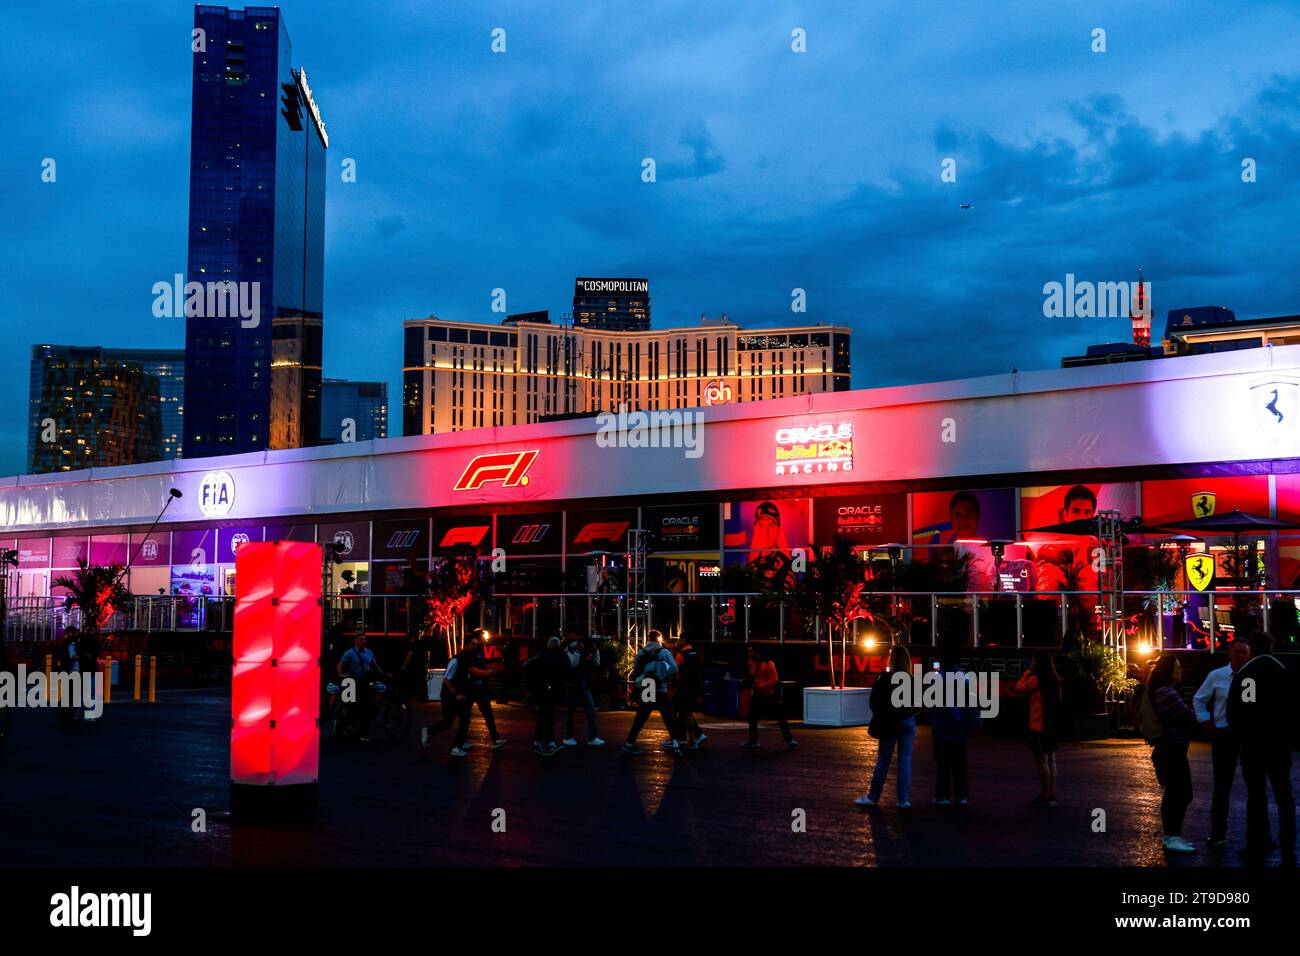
(90, 407)
(257, 215)
(363, 404)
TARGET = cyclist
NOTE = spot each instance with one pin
(358, 662)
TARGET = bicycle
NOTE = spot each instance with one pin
(388, 708)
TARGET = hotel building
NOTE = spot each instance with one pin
(461, 375)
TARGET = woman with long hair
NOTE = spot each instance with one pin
(1174, 720)
(891, 726)
(1041, 685)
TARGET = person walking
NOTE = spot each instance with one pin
(456, 704)
(892, 727)
(950, 729)
(1173, 722)
(1041, 686)
(67, 659)
(1261, 714)
(765, 697)
(1210, 704)
(690, 687)
(544, 676)
(580, 660)
(651, 671)
(480, 691)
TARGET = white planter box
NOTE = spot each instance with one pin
(836, 707)
(434, 676)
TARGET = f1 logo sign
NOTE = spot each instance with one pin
(509, 468)
(470, 534)
(601, 531)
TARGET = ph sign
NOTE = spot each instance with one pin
(216, 494)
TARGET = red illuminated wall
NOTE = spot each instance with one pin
(1178, 499)
(275, 689)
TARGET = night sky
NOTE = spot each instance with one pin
(776, 170)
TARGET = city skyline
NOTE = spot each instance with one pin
(524, 173)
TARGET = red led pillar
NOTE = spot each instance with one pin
(275, 685)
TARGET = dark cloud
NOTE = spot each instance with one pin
(776, 170)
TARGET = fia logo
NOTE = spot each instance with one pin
(1274, 406)
(237, 541)
(216, 494)
(345, 538)
(149, 550)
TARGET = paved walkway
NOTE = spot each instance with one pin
(123, 791)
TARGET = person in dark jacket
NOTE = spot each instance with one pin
(1169, 751)
(456, 702)
(690, 686)
(892, 727)
(765, 697)
(950, 729)
(480, 691)
(544, 675)
(580, 660)
(1261, 713)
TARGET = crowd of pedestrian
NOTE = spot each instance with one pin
(1244, 709)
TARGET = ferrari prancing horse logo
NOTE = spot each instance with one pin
(1200, 570)
(1203, 504)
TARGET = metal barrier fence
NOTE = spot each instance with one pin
(1190, 620)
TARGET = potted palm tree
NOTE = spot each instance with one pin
(1091, 673)
(98, 593)
(831, 592)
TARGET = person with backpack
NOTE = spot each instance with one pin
(765, 697)
(1261, 715)
(1211, 706)
(580, 660)
(892, 727)
(456, 703)
(544, 677)
(651, 671)
(950, 728)
(690, 687)
(1041, 686)
(1170, 738)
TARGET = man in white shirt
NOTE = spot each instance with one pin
(1211, 706)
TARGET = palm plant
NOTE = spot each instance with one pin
(832, 591)
(97, 591)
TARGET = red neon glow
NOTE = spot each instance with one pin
(465, 534)
(509, 468)
(601, 531)
(275, 684)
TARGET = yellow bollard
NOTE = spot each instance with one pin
(106, 666)
(153, 680)
(50, 689)
(139, 667)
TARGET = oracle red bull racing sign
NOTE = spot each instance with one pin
(814, 449)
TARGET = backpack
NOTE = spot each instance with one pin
(1148, 721)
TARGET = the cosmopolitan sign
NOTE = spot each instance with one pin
(814, 449)
(617, 286)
